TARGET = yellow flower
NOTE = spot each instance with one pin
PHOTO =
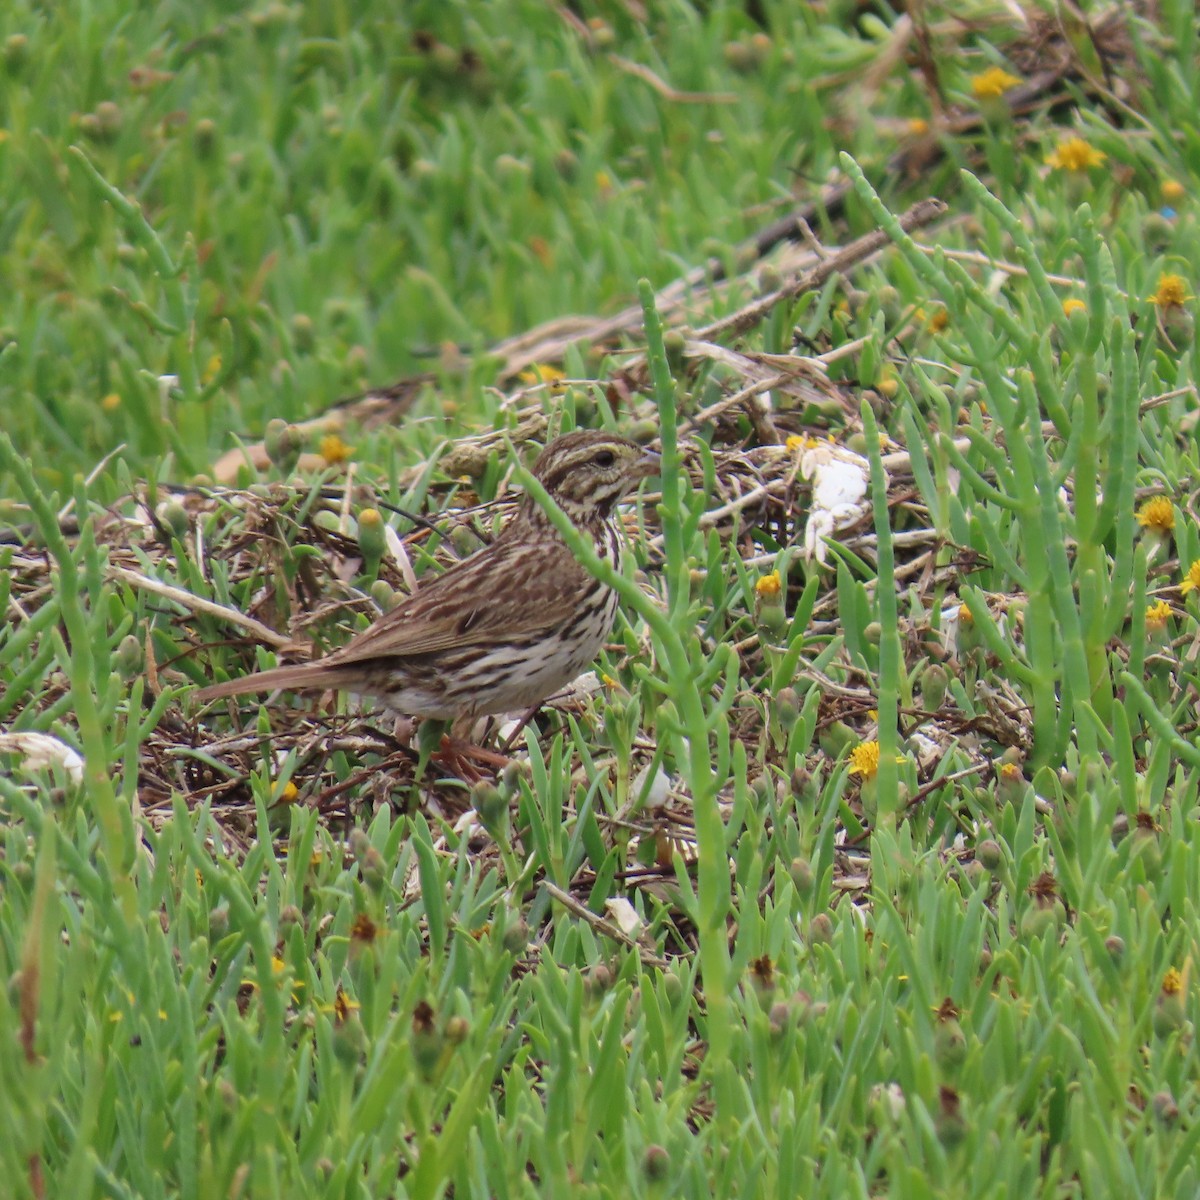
(541, 373)
(1157, 616)
(342, 1007)
(212, 369)
(1010, 772)
(1173, 190)
(798, 443)
(1170, 1008)
(887, 387)
(111, 402)
(1157, 515)
(334, 450)
(918, 126)
(768, 587)
(939, 321)
(1074, 154)
(289, 793)
(1171, 291)
(1073, 305)
(1191, 580)
(864, 760)
(964, 615)
(992, 83)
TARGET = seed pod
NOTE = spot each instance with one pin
(1166, 1111)
(656, 1163)
(803, 877)
(130, 659)
(1145, 845)
(175, 517)
(674, 343)
(218, 922)
(373, 870)
(820, 930)
(934, 682)
(516, 936)
(425, 1040)
(349, 1038)
(787, 708)
(781, 1016)
(491, 808)
(282, 443)
(360, 843)
(16, 53)
(204, 138)
(1046, 914)
(988, 854)
(949, 1121)
(949, 1041)
(372, 539)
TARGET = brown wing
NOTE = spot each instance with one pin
(513, 588)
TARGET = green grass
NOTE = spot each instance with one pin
(260, 959)
(345, 201)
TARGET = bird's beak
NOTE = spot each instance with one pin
(649, 464)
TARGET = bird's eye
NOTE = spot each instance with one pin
(605, 458)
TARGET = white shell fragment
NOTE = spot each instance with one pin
(659, 789)
(949, 625)
(624, 916)
(840, 482)
(927, 751)
(507, 728)
(40, 751)
(888, 1099)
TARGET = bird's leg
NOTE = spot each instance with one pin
(461, 757)
(449, 746)
(457, 747)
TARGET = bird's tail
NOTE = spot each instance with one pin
(301, 677)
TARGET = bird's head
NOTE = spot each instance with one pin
(589, 471)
